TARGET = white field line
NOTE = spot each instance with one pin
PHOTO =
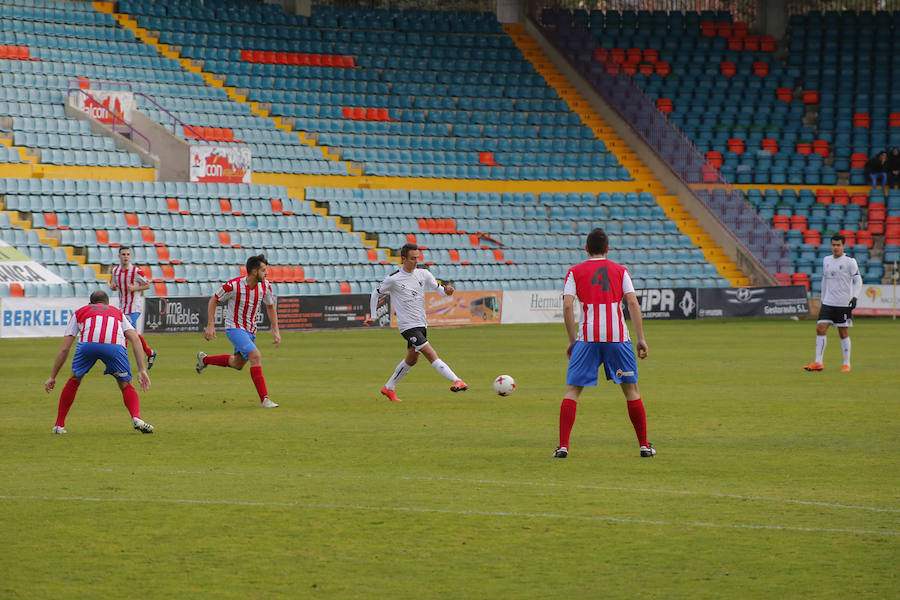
(445, 511)
(550, 484)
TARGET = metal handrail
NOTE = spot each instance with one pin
(175, 119)
(115, 116)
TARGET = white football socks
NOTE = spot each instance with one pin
(821, 342)
(845, 350)
(399, 373)
(442, 368)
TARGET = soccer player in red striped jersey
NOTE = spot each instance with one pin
(601, 338)
(101, 331)
(243, 297)
(129, 281)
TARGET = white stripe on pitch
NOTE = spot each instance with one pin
(446, 511)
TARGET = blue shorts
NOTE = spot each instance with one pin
(133, 317)
(114, 356)
(243, 341)
(617, 358)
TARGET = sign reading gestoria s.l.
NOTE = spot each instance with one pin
(780, 301)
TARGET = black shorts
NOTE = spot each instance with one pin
(416, 337)
(839, 316)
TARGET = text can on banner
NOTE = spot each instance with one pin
(220, 164)
(120, 103)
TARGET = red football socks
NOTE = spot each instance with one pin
(66, 398)
(638, 420)
(146, 346)
(566, 420)
(131, 400)
(259, 381)
(219, 360)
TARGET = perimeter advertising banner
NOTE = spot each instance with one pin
(220, 164)
(325, 312)
(524, 306)
(16, 267)
(881, 300)
(120, 103)
(666, 303)
(187, 315)
(781, 301)
(469, 307)
(37, 317)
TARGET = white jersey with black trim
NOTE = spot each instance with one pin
(407, 292)
(841, 280)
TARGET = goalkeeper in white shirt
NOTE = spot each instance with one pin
(407, 287)
(841, 286)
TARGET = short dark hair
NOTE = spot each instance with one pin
(404, 251)
(254, 262)
(597, 241)
(99, 297)
(124, 248)
(839, 238)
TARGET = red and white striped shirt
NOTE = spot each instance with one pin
(600, 284)
(242, 303)
(99, 323)
(129, 302)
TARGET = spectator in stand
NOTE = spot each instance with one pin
(876, 170)
(893, 168)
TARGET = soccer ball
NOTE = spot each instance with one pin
(504, 385)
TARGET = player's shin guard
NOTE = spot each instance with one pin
(845, 350)
(821, 342)
(66, 398)
(442, 368)
(638, 419)
(259, 381)
(566, 420)
(399, 373)
(132, 402)
(219, 360)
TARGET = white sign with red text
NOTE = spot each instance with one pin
(220, 164)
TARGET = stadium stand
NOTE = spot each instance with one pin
(390, 93)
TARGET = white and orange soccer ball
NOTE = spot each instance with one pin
(504, 385)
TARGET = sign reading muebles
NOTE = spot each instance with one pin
(188, 314)
(780, 301)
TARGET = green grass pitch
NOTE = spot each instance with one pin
(770, 482)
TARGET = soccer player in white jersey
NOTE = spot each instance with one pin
(243, 297)
(129, 281)
(101, 331)
(407, 287)
(841, 285)
(602, 338)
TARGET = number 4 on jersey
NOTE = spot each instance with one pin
(601, 278)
